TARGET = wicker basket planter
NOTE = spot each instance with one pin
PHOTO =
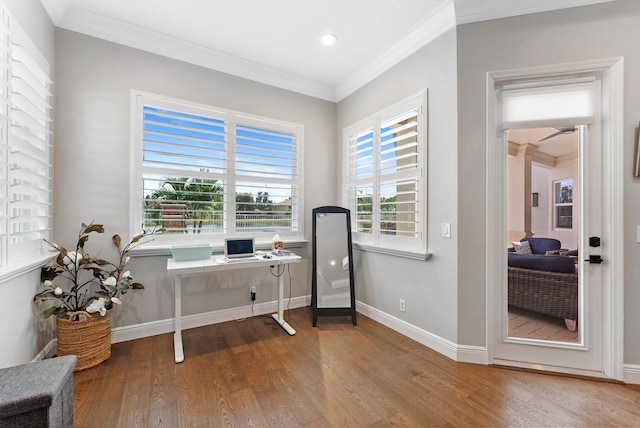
(86, 336)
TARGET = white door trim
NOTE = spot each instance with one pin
(496, 213)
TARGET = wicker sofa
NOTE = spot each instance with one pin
(543, 283)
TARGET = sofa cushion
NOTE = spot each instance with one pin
(561, 264)
(542, 245)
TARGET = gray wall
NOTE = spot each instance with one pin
(95, 79)
(429, 287)
(592, 32)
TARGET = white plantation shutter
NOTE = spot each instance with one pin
(399, 143)
(25, 116)
(208, 171)
(361, 155)
(266, 165)
(384, 177)
(361, 172)
(184, 168)
(398, 202)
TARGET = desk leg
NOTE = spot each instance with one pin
(279, 317)
(177, 336)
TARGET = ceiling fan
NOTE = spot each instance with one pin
(561, 130)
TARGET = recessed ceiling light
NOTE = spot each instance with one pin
(328, 39)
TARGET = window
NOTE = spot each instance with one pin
(25, 116)
(207, 172)
(563, 204)
(384, 178)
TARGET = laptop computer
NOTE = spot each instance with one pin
(239, 249)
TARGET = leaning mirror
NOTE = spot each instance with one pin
(332, 288)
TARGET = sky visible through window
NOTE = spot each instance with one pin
(188, 142)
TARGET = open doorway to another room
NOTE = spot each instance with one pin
(543, 233)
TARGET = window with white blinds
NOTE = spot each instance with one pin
(384, 158)
(25, 116)
(206, 171)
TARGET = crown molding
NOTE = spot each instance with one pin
(105, 28)
(514, 8)
(64, 14)
(437, 23)
(56, 9)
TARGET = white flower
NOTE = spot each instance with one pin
(116, 300)
(110, 281)
(48, 283)
(127, 260)
(72, 257)
(97, 306)
(57, 291)
(127, 275)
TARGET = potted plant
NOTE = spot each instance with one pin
(84, 290)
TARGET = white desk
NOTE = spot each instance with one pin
(216, 264)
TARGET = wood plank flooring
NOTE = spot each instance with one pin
(251, 373)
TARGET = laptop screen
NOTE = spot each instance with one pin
(238, 247)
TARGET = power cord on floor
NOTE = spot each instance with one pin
(278, 274)
(287, 313)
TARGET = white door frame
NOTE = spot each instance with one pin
(611, 70)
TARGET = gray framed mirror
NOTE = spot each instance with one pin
(332, 284)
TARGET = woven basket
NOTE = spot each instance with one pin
(88, 338)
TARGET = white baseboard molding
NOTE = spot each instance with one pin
(632, 373)
(460, 353)
(49, 350)
(138, 331)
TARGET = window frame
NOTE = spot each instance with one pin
(558, 205)
(232, 118)
(408, 247)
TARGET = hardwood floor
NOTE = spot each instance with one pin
(251, 373)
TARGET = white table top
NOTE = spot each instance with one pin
(217, 263)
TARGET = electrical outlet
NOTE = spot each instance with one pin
(402, 305)
(252, 293)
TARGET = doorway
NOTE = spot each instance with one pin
(594, 209)
(543, 196)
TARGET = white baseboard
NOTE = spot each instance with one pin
(138, 331)
(461, 353)
(632, 373)
(49, 350)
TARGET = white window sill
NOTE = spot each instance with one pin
(148, 250)
(22, 267)
(408, 254)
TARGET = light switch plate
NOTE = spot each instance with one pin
(446, 230)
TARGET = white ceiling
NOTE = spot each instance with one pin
(550, 141)
(277, 41)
